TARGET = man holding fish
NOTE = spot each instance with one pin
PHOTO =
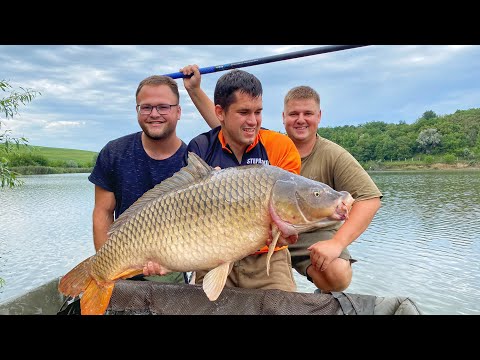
(129, 166)
(200, 218)
(320, 254)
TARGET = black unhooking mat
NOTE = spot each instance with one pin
(153, 298)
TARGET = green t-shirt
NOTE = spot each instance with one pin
(331, 164)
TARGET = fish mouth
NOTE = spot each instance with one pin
(300, 228)
(341, 212)
(343, 208)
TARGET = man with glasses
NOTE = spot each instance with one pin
(131, 165)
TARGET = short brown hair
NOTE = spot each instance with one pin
(157, 80)
(302, 92)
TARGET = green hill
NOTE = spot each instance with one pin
(60, 154)
(28, 160)
(452, 139)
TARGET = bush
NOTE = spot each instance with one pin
(429, 159)
(71, 164)
(27, 159)
(449, 158)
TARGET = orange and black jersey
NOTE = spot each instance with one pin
(269, 147)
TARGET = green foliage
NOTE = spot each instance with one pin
(449, 158)
(7, 176)
(429, 115)
(429, 139)
(468, 154)
(9, 106)
(94, 160)
(71, 164)
(429, 159)
(431, 135)
(27, 159)
(43, 170)
(36, 156)
(82, 157)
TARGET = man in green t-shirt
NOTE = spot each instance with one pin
(322, 255)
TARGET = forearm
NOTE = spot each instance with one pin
(204, 105)
(360, 217)
(101, 223)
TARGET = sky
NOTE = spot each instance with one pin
(88, 91)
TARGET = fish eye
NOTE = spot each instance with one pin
(316, 193)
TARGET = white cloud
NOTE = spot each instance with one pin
(88, 92)
(64, 124)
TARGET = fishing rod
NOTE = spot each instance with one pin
(267, 59)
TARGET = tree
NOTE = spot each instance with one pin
(428, 139)
(427, 115)
(9, 107)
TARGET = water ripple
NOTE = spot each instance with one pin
(423, 243)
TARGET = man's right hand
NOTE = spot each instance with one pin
(153, 268)
(193, 82)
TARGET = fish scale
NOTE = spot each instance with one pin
(227, 202)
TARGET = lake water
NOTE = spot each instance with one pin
(423, 243)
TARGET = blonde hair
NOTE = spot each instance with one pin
(157, 80)
(302, 92)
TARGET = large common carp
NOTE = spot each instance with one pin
(201, 219)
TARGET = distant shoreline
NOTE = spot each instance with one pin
(48, 170)
(43, 170)
(431, 167)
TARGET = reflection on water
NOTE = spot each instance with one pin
(423, 242)
(45, 230)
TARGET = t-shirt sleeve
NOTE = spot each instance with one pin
(352, 177)
(199, 145)
(193, 147)
(102, 170)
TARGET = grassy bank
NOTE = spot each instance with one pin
(412, 165)
(36, 160)
(44, 170)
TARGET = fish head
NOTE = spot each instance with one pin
(307, 204)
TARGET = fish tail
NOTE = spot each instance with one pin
(76, 280)
(96, 298)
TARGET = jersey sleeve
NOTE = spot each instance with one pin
(281, 151)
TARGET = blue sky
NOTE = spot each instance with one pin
(88, 91)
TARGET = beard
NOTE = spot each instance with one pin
(164, 133)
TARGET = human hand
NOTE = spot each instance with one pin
(153, 268)
(323, 253)
(194, 81)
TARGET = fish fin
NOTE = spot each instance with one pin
(96, 298)
(76, 280)
(128, 273)
(196, 169)
(276, 235)
(215, 280)
(136, 271)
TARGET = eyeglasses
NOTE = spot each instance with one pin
(163, 109)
